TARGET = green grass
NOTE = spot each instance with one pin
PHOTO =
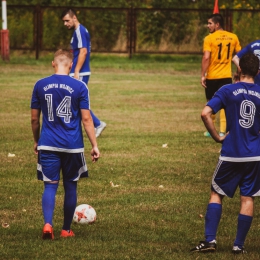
(146, 102)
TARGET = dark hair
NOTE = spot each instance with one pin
(217, 18)
(249, 64)
(71, 12)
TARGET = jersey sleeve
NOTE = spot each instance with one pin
(35, 101)
(244, 51)
(238, 46)
(83, 38)
(84, 102)
(218, 100)
(207, 44)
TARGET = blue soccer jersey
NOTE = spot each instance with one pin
(60, 98)
(241, 102)
(253, 47)
(80, 39)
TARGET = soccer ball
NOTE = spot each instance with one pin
(84, 214)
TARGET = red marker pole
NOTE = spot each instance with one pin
(216, 10)
(4, 34)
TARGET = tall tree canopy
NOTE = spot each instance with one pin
(235, 4)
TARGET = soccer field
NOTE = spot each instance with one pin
(157, 210)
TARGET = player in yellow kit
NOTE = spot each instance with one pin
(218, 49)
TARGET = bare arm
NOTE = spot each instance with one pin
(90, 131)
(236, 62)
(35, 123)
(204, 67)
(208, 122)
(81, 59)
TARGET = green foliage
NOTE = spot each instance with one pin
(104, 27)
(21, 33)
(155, 30)
(159, 25)
(248, 4)
(55, 34)
(246, 22)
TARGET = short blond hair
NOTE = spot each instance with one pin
(63, 56)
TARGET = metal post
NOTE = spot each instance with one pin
(38, 29)
(4, 34)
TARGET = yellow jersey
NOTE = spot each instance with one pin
(221, 45)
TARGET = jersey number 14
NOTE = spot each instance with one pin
(63, 110)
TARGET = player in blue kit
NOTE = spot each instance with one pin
(64, 104)
(81, 47)
(253, 47)
(239, 162)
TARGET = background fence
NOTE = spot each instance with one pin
(125, 30)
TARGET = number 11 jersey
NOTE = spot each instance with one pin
(221, 45)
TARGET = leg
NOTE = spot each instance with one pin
(48, 200)
(73, 167)
(213, 215)
(247, 206)
(99, 125)
(209, 93)
(48, 205)
(245, 218)
(212, 219)
(96, 121)
(70, 202)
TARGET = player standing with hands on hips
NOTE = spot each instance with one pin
(218, 49)
(64, 104)
(239, 161)
(81, 47)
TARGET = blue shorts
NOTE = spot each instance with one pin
(73, 166)
(230, 175)
(84, 79)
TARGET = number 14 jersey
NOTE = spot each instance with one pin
(221, 45)
(60, 99)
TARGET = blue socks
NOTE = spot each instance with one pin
(70, 202)
(243, 226)
(212, 218)
(96, 121)
(48, 201)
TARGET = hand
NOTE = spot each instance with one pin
(236, 77)
(95, 154)
(203, 82)
(76, 75)
(222, 138)
(35, 148)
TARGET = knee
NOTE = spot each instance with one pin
(215, 197)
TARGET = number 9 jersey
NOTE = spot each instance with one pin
(60, 99)
(241, 102)
(221, 45)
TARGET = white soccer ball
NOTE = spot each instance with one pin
(84, 214)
